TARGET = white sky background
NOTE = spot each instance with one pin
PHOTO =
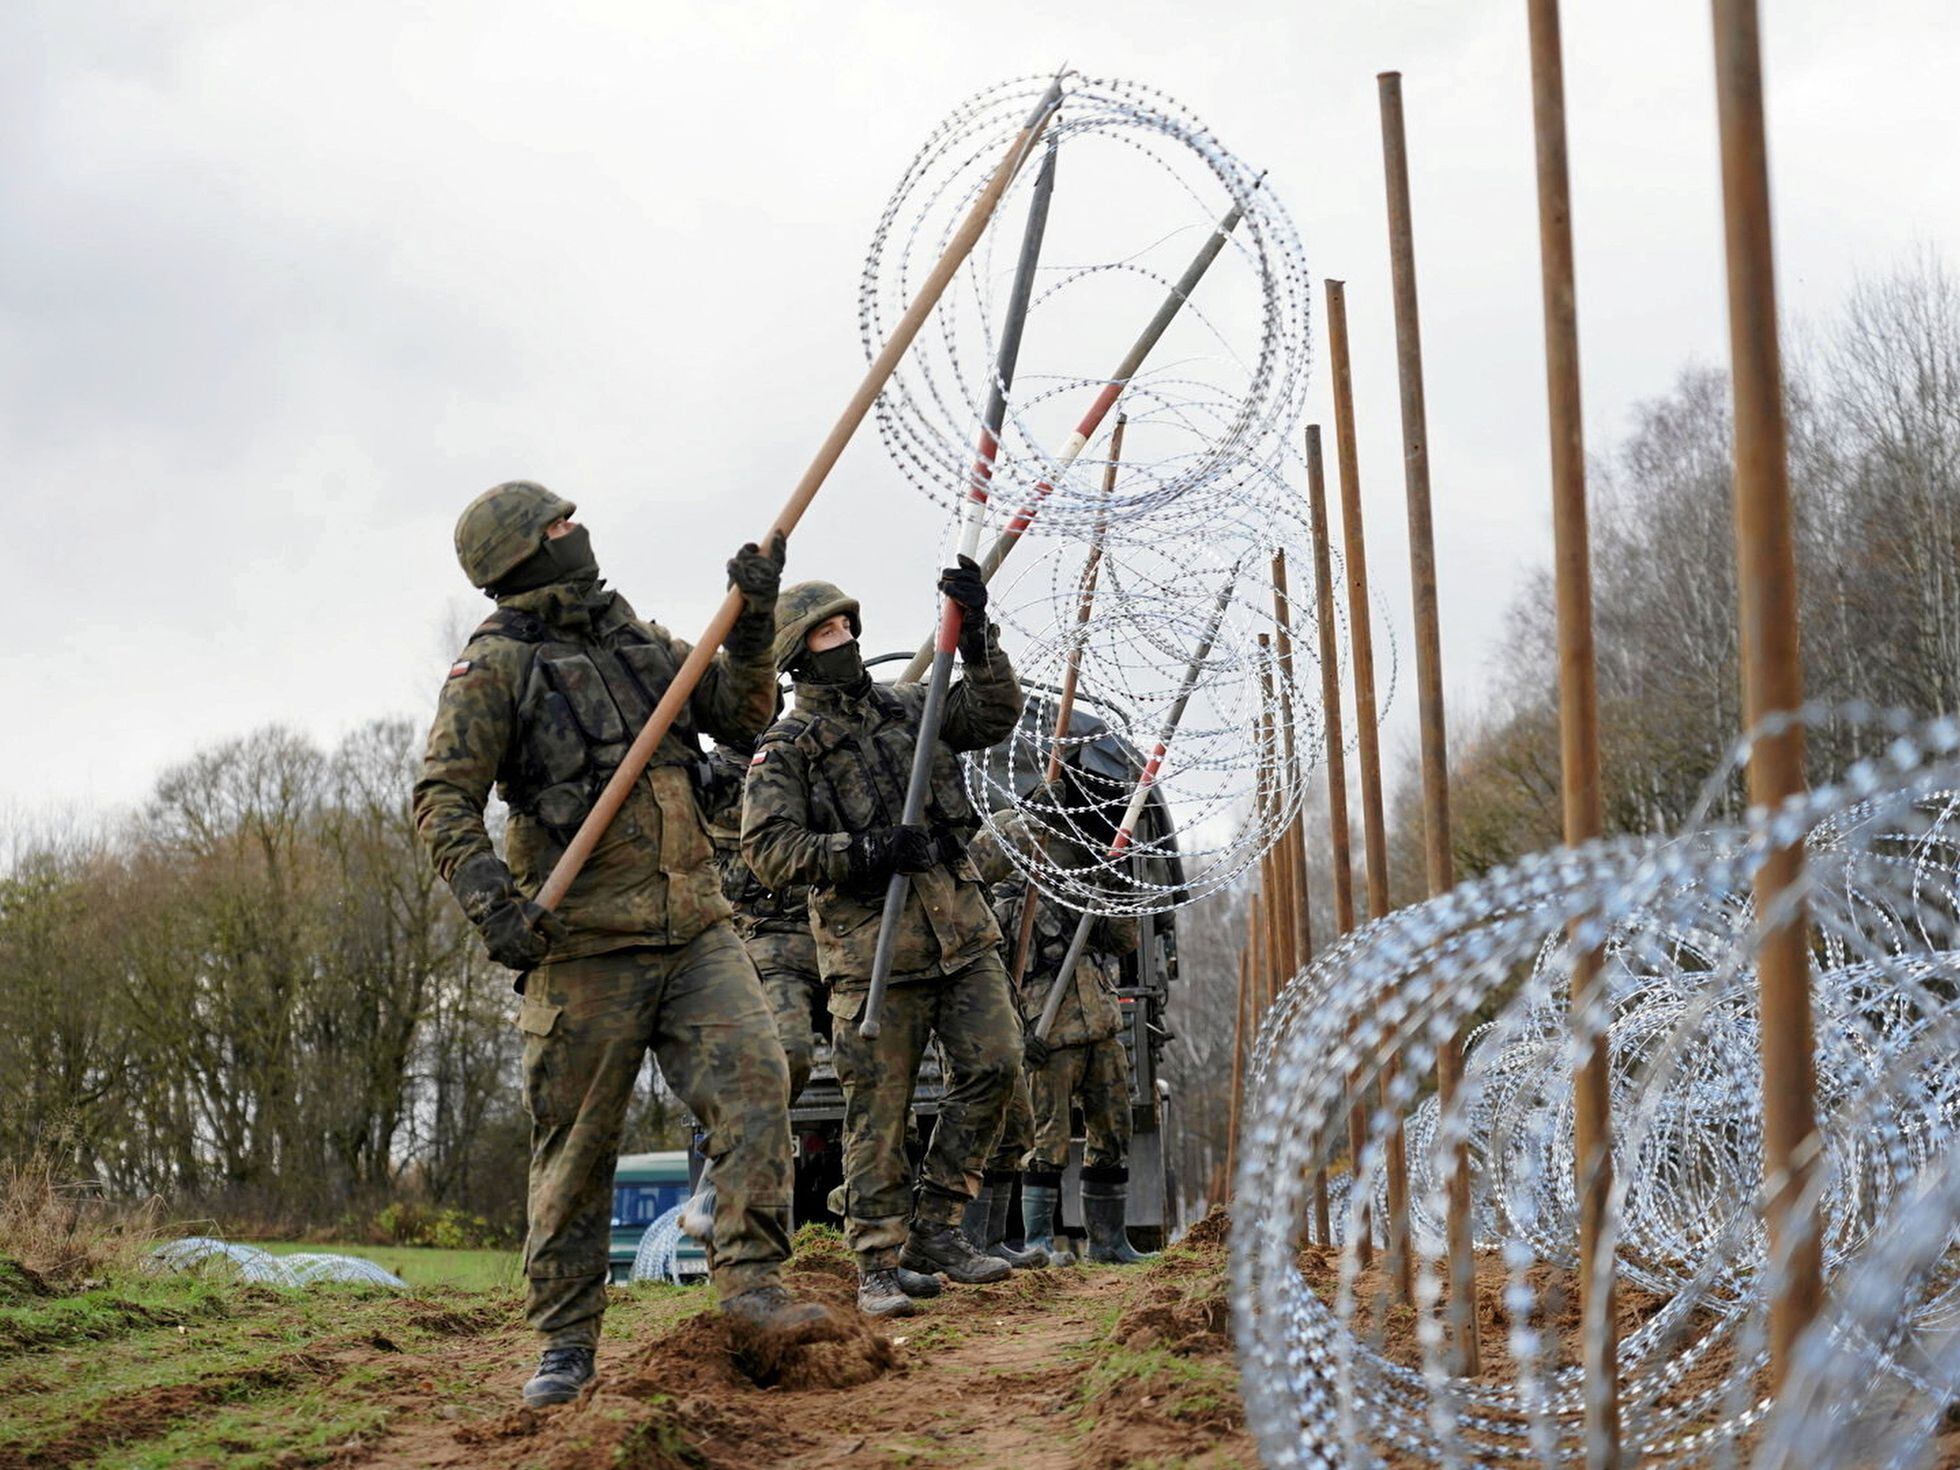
(282, 286)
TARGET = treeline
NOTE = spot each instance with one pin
(1874, 413)
(256, 1000)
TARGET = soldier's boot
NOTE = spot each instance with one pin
(977, 1217)
(1039, 1204)
(1000, 1195)
(880, 1292)
(917, 1284)
(770, 1311)
(562, 1375)
(941, 1248)
(1104, 1203)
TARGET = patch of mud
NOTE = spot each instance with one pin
(440, 1319)
(1209, 1233)
(1178, 1317)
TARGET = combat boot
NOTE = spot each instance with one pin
(881, 1295)
(942, 1248)
(1039, 1205)
(773, 1311)
(562, 1375)
(917, 1284)
(999, 1196)
(1104, 1204)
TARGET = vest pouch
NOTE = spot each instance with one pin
(651, 669)
(556, 744)
(843, 798)
(563, 806)
(584, 690)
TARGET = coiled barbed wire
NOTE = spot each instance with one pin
(1677, 929)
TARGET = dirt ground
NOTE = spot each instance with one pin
(1091, 1367)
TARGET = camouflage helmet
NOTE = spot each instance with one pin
(801, 608)
(503, 526)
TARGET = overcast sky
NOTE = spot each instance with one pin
(283, 285)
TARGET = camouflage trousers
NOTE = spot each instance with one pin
(786, 962)
(1010, 1149)
(1098, 1076)
(588, 1024)
(980, 1037)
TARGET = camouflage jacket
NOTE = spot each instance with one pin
(758, 910)
(837, 764)
(1090, 1010)
(543, 701)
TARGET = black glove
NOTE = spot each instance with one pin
(519, 935)
(758, 573)
(963, 584)
(1036, 1050)
(877, 854)
(948, 845)
(517, 932)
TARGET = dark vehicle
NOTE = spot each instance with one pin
(817, 1118)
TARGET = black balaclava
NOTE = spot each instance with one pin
(841, 667)
(567, 558)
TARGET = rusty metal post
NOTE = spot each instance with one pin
(1337, 814)
(1439, 866)
(1772, 673)
(1367, 730)
(1578, 724)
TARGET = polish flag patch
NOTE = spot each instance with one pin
(459, 668)
(757, 759)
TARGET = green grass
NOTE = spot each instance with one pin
(424, 1266)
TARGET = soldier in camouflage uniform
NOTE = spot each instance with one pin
(544, 701)
(774, 927)
(1082, 1062)
(823, 806)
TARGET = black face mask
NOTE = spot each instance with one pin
(566, 558)
(838, 667)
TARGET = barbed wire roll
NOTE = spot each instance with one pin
(1141, 183)
(1332, 1376)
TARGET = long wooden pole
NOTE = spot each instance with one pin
(1238, 1074)
(681, 688)
(1367, 729)
(1438, 863)
(1275, 878)
(1772, 674)
(1578, 725)
(1337, 814)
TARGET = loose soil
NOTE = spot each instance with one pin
(1087, 1368)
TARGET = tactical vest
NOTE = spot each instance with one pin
(857, 781)
(578, 709)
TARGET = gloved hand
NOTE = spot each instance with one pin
(963, 584)
(520, 934)
(1035, 1050)
(877, 854)
(947, 845)
(758, 573)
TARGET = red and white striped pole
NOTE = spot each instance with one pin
(1126, 830)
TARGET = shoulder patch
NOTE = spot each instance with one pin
(459, 668)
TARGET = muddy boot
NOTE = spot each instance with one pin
(941, 1248)
(881, 1295)
(771, 1311)
(999, 1195)
(562, 1375)
(1039, 1205)
(917, 1285)
(1104, 1202)
(977, 1216)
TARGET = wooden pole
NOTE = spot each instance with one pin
(1274, 875)
(681, 687)
(1367, 729)
(1578, 724)
(1238, 1074)
(1439, 865)
(1337, 816)
(1772, 674)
